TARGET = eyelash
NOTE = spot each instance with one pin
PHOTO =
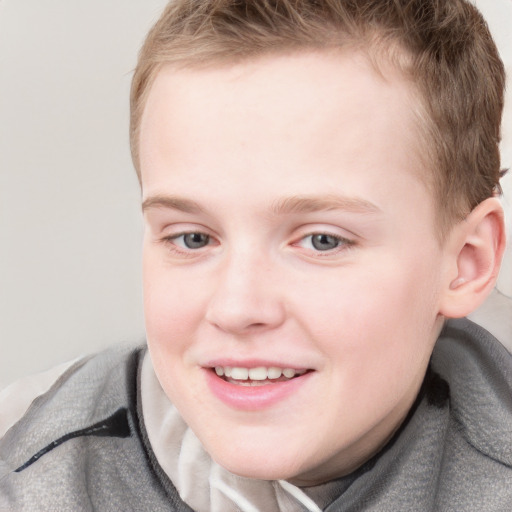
(344, 244)
(170, 242)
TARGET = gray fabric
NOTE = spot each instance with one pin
(454, 453)
(92, 472)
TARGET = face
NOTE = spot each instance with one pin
(291, 264)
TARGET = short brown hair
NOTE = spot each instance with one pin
(444, 47)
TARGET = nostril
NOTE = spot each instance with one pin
(256, 325)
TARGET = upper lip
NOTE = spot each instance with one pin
(253, 363)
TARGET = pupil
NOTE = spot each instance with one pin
(324, 242)
(196, 240)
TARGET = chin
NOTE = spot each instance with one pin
(257, 471)
(261, 467)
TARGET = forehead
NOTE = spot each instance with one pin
(295, 115)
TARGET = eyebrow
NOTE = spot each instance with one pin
(311, 204)
(172, 202)
(286, 205)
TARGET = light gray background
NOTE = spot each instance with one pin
(70, 227)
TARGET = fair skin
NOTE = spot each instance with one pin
(286, 227)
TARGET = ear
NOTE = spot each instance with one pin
(474, 249)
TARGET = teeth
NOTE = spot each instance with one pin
(239, 373)
(258, 373)
(289, 373)
(274, 373)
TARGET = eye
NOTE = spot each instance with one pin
(192, 240)
(324, 242)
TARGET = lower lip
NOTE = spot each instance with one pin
(253, 398)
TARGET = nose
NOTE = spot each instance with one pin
(247, 296)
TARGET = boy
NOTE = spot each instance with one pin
(318, 183)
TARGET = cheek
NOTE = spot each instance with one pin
(172, 315)
(373, 312)
(172, 305)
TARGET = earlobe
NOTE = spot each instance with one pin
(476, 247)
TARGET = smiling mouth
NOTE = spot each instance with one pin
(259, 376)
